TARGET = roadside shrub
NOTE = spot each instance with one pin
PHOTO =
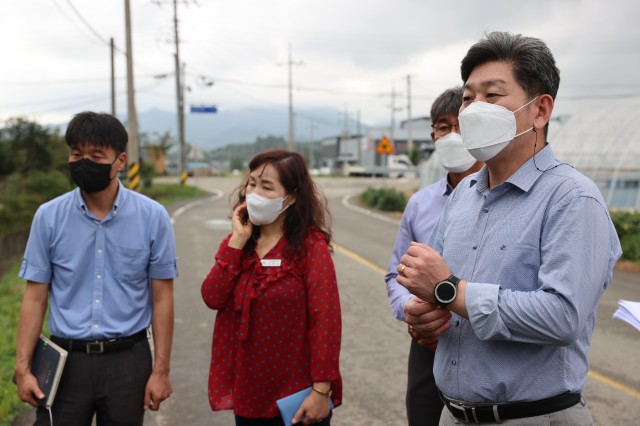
(385, 199)
(369, 197)
(628, 228)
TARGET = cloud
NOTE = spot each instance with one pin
(353, 51)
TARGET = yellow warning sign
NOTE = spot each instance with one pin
(385, 146)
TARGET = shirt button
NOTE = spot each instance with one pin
(99, 276)
(99, 251)
(453, 362)
(96, 326)
(486, 210)
(457, 323)
(98, 301)
(475, 247)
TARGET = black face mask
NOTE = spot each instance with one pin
(90, 176)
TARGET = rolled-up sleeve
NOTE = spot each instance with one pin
(36, 263)
(163, 262)
(576, 251)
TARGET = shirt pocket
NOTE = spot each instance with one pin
(131, 264)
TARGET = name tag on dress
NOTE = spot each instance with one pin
(271, 262)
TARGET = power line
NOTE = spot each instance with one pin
(84, 21)
(62, 11)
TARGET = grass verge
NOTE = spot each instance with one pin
(168, 193)
(12, 289)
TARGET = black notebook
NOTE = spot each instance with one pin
(47, 365)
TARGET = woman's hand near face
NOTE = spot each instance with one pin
(241, 226)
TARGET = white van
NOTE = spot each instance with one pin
(396, 164)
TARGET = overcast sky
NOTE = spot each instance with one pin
(55, 57)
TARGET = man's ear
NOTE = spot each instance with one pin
(123, 161)
(545, 108)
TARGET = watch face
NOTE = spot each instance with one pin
(445, 292)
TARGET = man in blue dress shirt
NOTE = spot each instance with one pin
(520, 257)
(103, 257)
(418, 221)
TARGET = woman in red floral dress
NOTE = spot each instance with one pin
(273, 284)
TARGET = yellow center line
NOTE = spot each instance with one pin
(614, 384)
(358, 258)
(592, 374)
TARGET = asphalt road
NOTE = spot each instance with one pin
(375, 345)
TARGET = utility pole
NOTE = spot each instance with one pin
(113, 78)
(291, 131)
(290, 64)
(310, 145)
(359, 133)
(346, 132)
(180, 99)
(133, 151)
(409, 122)
(393, 112)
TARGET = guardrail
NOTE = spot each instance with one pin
(382, 171)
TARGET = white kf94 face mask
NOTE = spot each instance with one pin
(263, 211)
(452, 154)
(488, 128)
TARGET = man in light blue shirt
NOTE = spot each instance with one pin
(103, 257)
(521, 255)
(418, 221)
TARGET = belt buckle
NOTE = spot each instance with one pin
(99, 347)
(460, 407)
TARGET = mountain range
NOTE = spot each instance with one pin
(241, 126)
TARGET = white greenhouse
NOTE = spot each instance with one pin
(600, 138)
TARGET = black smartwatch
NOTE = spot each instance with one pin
(446, 291)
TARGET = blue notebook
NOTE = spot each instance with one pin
(289, 405)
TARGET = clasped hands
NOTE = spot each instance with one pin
(420, 269)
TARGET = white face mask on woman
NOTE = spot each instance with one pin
(264, 211)
(452, 154)
(488, 128)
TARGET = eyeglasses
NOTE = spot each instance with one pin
(444, 128)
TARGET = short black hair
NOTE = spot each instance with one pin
(534, 67)
(449, 102)
(98, 129)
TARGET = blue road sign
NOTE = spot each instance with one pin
(211, 109)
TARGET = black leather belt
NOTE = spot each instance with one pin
(496, 413)
(99, 346)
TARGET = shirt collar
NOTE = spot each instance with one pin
(448, 189)
(525, 176)
(120, 198)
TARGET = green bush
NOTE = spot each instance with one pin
(47, 185)
(385, 199)
(16, 211)
(628, 228)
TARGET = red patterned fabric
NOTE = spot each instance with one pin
(277, 329)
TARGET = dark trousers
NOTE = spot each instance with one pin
(110, 386)
(275, 421)
(423, 402)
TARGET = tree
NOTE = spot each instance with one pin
(26, 145)
(157, 146)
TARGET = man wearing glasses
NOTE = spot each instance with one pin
(419, 219)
